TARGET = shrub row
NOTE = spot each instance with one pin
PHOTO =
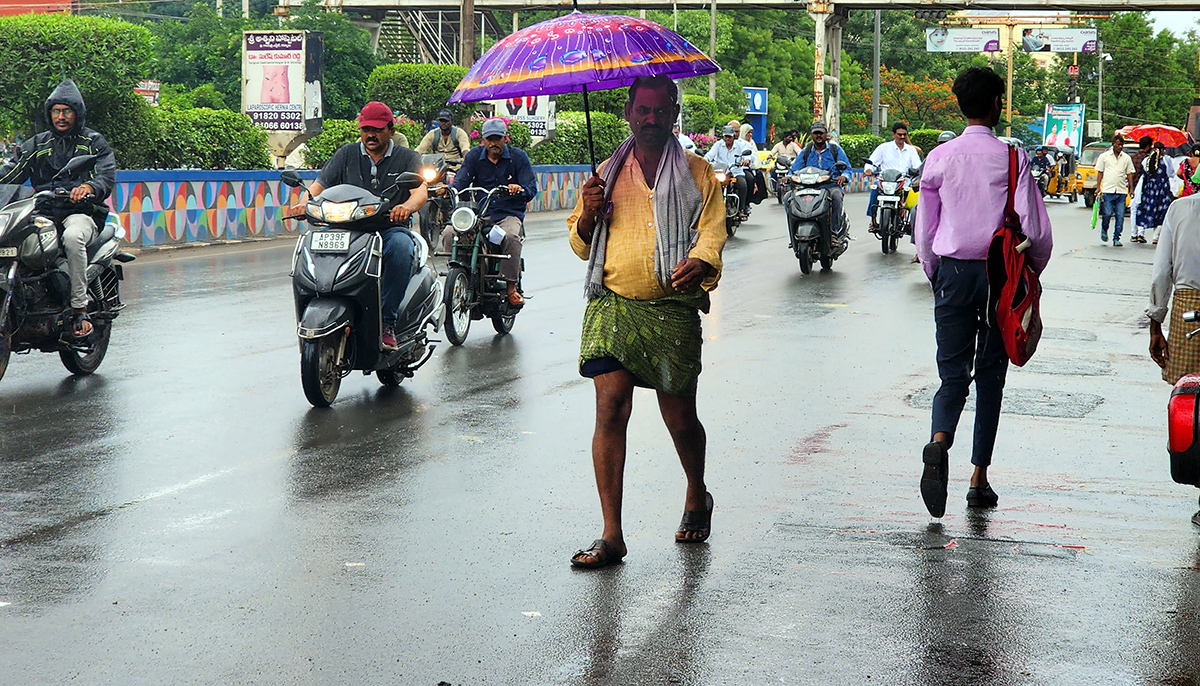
(570, 143)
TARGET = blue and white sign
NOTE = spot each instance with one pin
(756, 100)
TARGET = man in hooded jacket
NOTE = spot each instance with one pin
(41, 157)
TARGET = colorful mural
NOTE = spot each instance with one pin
(181, 206)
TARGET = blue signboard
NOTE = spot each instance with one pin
(756, 112)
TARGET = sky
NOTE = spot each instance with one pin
(1177, 22)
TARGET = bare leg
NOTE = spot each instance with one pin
(679, 414)
(614, 404)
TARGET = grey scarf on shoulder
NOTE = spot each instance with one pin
(676, 213)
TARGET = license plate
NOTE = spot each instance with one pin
(8, 252)
(330, 241)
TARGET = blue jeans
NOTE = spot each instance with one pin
(964, 340)
(398, 254)
(1112, 204)
(872, 202)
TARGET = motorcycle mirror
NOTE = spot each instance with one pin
(76, 165)
(841, 166)
(914, 171)
(291, 177)
(409, 180)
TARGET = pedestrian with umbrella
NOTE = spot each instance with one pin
(1155, 194)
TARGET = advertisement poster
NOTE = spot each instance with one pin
(1034, 39)
(273, 73)
(942, 39)
(1064, 126)
(149, 90)
(536, 112)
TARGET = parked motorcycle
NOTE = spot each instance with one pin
(35, 289)
(474, 287)
(779, 174)
(1183, 420)
(336, 271)
(814, 233)
(435, 215)
(892, 212)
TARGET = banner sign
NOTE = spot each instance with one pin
(281, 85)
(756, 100)
(1064, 126)
(149, 90)
(1035, 39)
(942, 39)
(534, 111)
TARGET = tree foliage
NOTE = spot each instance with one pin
(418, 90)
(570, 143)
(210, 139)
(105, 57)
(699, 113)
(334, 134)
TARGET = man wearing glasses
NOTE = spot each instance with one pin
(898, 155)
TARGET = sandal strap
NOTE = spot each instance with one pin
(599, 545)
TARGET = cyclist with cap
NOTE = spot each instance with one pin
(492, 165)
(821, 153)
(728, 151)
(446, 139)
(375, 163)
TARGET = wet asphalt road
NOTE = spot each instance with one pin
(184, 516)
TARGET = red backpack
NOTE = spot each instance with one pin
(1014, 292)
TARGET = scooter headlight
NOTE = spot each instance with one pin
(721, 176)
(889, 187)
(338, 212)
(313, 210)
(429, 174)
(811, 179)
(462, 219)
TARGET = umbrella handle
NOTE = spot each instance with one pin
(587, 115)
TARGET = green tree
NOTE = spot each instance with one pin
(105, 57)
(348, 58)
(418, 90)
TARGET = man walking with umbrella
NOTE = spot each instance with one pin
(652, 227)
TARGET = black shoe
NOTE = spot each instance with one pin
(982, 496)
(935, 478)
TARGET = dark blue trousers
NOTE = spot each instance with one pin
(398, 255)
(964, 340)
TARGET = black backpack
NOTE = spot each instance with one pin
(833, 148)
(437, 139)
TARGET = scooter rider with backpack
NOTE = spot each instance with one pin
(446, 139)
(821, 153)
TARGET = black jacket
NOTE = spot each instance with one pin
(40, 157)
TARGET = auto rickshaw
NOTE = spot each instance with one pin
(1062, 173)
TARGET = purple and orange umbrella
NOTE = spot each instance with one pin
(577, 53)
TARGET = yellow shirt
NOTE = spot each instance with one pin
(629, 254)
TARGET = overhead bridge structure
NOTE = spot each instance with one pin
(432, 31)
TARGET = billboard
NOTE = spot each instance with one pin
(1064, 126)
(149, 90)
(534, 111)
(942, 39)
(281, 85)
(1034, 39)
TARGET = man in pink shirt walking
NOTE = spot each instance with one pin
(964, 187)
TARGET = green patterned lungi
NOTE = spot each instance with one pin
(657, 341)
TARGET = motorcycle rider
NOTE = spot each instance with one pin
(492, 165)
(40, 157)
(788, 146)
(446, 139)
(727, 151)
(821, 153)
(686, 141)
(897, 154)
(374, 163)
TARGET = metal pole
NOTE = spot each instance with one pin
(875, 92)
(220, 9)
(466, 26)
(1008, 86)
(675, 10)
(819, 64)
(1100, 90)
(516, 24)
(712, 50)
(245, 9)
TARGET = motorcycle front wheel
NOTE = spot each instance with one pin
(885, 228)
(5, 353)
(82, 363)
(458, 305)
(319, 375)
(826, 263)
(389, 377)
(806, 258)
(503, 323)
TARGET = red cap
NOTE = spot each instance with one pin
(376, 115)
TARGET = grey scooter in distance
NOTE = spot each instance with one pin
(815, 234)
(35, 288)
(336, 272)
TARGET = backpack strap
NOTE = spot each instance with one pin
(805, 153)
(1012, 181)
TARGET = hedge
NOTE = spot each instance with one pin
(334, 134)
(570, 143)
(925, 139)
(699, 112)
(210, 139)
(859, 146)
(418, 90)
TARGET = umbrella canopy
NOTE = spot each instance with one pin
(1169, 136)
(580, 52)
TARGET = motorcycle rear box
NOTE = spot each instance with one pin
(1183, 443)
